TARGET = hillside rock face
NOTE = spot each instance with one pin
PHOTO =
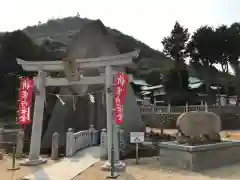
(92, 41)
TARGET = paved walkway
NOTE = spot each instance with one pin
(68, 168)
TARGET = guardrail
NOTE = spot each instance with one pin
(79, 140)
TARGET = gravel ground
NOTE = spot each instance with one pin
(18, 174)
(150, 169)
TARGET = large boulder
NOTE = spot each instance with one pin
(200, 126)
(93, 40)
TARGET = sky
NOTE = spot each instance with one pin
(148, 21)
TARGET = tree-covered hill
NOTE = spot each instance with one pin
(63, 30)
(59, 32)
(47, 41)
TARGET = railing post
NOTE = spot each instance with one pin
(80, 141)
(70, 143)
(91, 129)
(154, 105)
(1, 139)
(169, 108)
(55, 146)
(103, 143)
(206, 107)
(1, 136)
(85, 139)
(95, 137)
(153, 108)
(20, 144)
(186, 106)
(89, 138)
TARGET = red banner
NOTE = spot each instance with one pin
(25, 100)
(120, 84)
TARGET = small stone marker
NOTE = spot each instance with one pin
(20, 144)
(55, 146)
(70, 143)
(103, 143)
(1, 139)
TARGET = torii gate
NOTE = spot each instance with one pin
(41, 81)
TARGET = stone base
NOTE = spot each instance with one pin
(35, 162)
(196, 158)
(119, 166)
(114, 176)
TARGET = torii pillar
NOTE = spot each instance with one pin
(111, 126)
(40, 96)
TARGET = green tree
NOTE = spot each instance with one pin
(175, 94)
(221, 46)
(201, 50)
(233, 41)
(175, 47)
(16, 45)
(154, 78)
(221, 53)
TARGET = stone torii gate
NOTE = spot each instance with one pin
(42, 81)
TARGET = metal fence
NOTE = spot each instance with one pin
(174, 109)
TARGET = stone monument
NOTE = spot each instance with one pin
(198, 145)
(198, 128)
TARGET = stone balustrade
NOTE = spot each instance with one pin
(79, 140)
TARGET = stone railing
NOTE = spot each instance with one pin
(79, 140)
(174, 109)
(82, 139)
